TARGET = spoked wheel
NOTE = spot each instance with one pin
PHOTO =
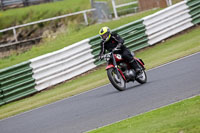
(117, 81)
(142, 77)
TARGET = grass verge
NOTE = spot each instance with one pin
(28, 14)
(182, 117)
(170, 50)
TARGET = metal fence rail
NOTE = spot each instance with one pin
(84, 12)
(121, 5)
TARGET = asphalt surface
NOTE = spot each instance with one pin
(167, 84)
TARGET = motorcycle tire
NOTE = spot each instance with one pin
(142, 77)
(118, 83)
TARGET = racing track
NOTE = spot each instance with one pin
(166, 84)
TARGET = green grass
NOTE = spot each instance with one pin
(68, 38)
(170, 50)
(182, 117)
(28, 14)
(19, 16)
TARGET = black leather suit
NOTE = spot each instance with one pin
(114, 41)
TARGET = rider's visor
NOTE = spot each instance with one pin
(104, 36)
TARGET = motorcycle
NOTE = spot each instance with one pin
(119, 72)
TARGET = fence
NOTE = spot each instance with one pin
(122, 5)
(4, 4)
(84, 12)
(50, 69)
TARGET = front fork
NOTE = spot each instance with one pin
(118, 71)
(115, 66)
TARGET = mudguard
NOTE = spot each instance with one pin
(112, 66)
(140, 61)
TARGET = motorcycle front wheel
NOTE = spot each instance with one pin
(117, 81)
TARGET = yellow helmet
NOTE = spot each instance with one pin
(105, 33)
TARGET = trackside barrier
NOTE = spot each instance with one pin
(194, 7)
(1, 97)
(61, 65)
(133, 34)
(16, 82)
(53, 68)
(167, 22)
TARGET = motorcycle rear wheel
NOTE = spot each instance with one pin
(142, 77)
(118, 82)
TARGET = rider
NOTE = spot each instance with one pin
(113, 40)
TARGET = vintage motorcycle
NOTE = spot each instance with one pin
(119, 72)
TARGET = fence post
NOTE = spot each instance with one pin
(15, 34)
(1, 4)
(85, 17)
(114, 9)
(169, 2)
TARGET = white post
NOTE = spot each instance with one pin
(169, 2)
(15, 34)
(114, 8)
(85, 17)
